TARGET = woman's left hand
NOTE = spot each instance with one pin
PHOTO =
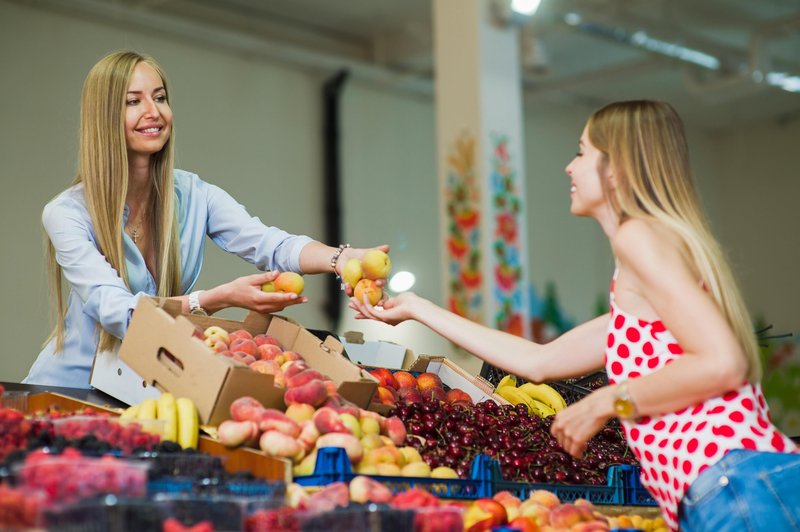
(577, 423)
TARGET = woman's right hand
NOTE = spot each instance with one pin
(392, 311)
(245, 292)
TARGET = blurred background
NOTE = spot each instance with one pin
(247, 80)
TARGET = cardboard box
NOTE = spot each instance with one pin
(453, 376)
(378, 354)
(160, 346)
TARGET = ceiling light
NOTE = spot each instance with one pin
(402, 281)
(525, 7)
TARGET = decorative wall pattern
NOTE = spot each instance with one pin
(463, 218)
(506, 213)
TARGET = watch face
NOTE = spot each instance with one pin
(623, 408)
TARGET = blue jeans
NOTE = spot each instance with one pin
(745, 491)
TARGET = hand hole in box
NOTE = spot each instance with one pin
(169, 361)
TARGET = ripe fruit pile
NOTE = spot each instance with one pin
(178, 416)
(16, 431)
(121, 435)
(540, 399)
(452, 435)
(402, 387)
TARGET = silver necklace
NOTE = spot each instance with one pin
(135, 229)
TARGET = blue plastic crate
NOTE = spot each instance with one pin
(611, 493)
(635, 493)
(333, 466)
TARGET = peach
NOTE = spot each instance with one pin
(429, 380)
(369, 426)
(407, 394)
(364, 489)
(293, 368)
(312, 392)
(457, 394)
(436, 393)
(327, 420)
(289, 282)
(267, 367)
(351, 422)
(546, 498)
(386, 454)
(386, 396)
(292, 356)
(523, 524)
(243, 357)
(271, 419)
(306, 465)
(366, 469)
(244, 345)
(539, 513)
(443, 472)
(564, 516)
(276, 443)
(240, 333)
(247, 408)
(416, 469)
(369, 290)
(308, 434)
(331, 387)
(351, 272)
(300, 412)
(404, 379)
(375, 264)
(198, 332)
(304, 377)
(216, 344)
(264, 339)
(296, 495)
(215, 331)
(269, 352)
(396, 430)
(385, 377)
(280, 380)
(388, 470)
(410, 454)
(497, 510)
(371, 441)
(269, 286)
(591, 526)
(372, 415)
(329, 497)
(348, 442)
(510, 502)
(232, 433)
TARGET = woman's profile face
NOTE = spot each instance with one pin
(587, 194)
(148, 116)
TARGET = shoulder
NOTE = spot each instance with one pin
(648, 246)
(70, 203)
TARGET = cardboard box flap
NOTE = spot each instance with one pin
(244, 381)
(454, 376)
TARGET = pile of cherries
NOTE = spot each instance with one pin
(448, 435)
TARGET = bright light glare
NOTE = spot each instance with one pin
(401, 281)
(525, 7)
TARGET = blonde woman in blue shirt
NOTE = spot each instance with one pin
(132, 226)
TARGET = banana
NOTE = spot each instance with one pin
(515, 397)
(167, 411)
(508, 380)
(543, 409)
(188, 423)
(545, 394)
(130, 412)
(147, 409)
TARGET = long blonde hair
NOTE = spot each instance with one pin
(103, 170)
(645, 144)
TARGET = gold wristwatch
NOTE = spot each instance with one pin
(624, 407)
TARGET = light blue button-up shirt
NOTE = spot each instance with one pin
(98, 295)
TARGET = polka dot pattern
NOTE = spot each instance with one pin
(675, 448)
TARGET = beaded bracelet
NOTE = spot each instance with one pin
(337, 254)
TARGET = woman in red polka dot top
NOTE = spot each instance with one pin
(677, 344)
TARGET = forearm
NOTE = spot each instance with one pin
(212, 300)
(316, 258)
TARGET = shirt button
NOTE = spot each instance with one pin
(723, 480)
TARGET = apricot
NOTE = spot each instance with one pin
(369, 290)
(376, 264)
(289, 282)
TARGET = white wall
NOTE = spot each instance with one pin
(254, 128)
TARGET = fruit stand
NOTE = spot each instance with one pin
(433, 448)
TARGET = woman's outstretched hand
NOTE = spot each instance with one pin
(576, 424)
(392, 311)
(245, 292)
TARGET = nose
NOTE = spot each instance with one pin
(151, 109)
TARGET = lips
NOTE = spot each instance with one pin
(150, 129)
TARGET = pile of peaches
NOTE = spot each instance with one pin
(403, 387)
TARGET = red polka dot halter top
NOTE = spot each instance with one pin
(675, 448)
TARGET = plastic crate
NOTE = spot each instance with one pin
(572, 390)
(611, 493)
(106, 514)
(362, 517)
(635, 493)
(266, 491)
(333, 466)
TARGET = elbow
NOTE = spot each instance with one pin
(733, 371)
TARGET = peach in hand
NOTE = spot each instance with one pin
(370, 289)
(351, 272)
(376, 264)
(289, 282)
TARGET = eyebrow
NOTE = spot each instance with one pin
(140, 92)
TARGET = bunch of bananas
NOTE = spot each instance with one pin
(181, 423)
(541, 399)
